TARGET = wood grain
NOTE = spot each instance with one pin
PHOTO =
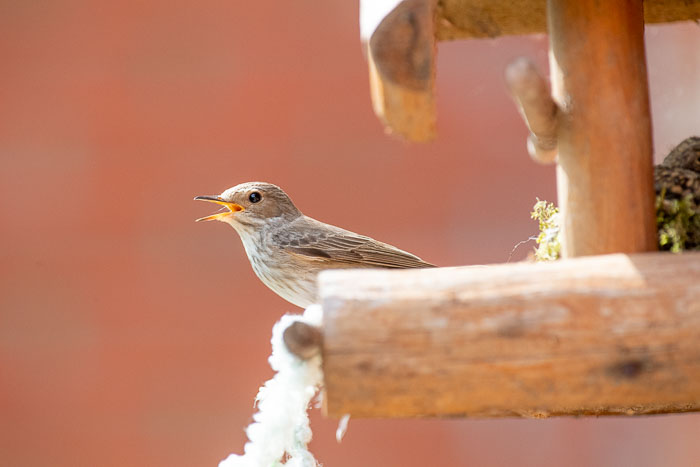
(599, 82)
(613, 334)
(463, 19)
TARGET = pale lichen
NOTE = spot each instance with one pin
(547, 215)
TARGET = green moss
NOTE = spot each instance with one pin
(547, 215)
(678, 221)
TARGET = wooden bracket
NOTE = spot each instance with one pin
(402, 70)
(402, 48)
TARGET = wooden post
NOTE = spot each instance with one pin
(611, 334)
(599, 82)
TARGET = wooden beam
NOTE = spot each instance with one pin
(599, 81)
(402, 70)
(302, 340)
(602, 335)
(465, 19)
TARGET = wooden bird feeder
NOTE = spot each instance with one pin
(617, 333)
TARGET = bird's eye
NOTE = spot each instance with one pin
(254, 197)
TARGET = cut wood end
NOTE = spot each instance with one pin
(538, 150)
(302, 340)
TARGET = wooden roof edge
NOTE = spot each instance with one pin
(465, 19)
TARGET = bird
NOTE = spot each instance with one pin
(287, 249)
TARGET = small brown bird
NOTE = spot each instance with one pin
(287, 249)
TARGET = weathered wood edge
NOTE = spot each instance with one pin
(598, 72)
(382, 357)
(470, 19)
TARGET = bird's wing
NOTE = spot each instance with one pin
(316, 240)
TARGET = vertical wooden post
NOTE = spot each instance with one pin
(599, 81)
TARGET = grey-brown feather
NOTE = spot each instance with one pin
(314, 239)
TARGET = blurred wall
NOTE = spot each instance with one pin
(129, 335)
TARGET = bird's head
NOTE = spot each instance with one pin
(251, 204)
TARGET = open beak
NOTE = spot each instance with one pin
(232, 207)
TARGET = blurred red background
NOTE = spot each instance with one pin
(129, 335)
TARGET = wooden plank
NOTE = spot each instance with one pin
(612, 334)
(464, 19)
(599, 82)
